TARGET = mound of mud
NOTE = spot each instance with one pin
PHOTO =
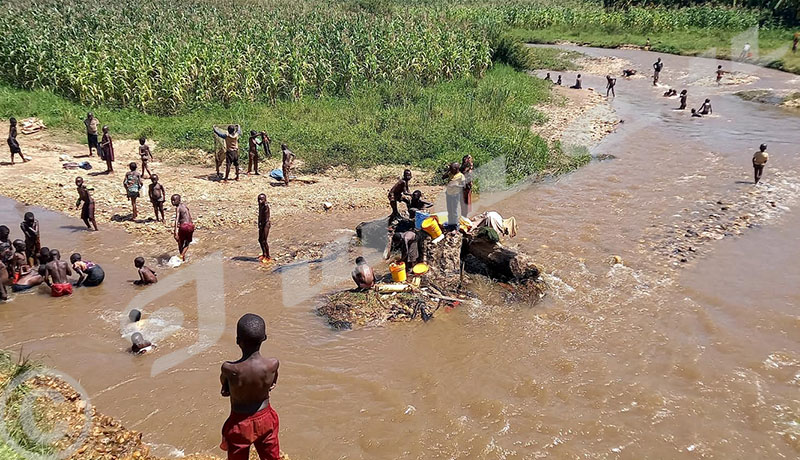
(785, 98)
(445, 285)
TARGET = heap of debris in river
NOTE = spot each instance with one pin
(453, 262)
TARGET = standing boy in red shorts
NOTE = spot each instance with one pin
(248, 383)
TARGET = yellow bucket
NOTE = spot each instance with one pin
(398, 271)
(431, 227)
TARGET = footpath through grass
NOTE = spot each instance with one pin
(402, 123)
(774, 45)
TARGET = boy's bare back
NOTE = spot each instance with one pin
(248, 382)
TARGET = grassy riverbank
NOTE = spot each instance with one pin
(403, 123)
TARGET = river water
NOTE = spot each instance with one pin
(651, 358)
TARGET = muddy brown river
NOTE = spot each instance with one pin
(652, 358)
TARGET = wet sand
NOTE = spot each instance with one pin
(643, 359)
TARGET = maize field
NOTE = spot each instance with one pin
(173, 56)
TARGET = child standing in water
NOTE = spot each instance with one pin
(30, 228)
(759, 161)
(87, 211)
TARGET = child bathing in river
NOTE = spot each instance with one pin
(146, 274)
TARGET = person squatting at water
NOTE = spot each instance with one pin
(760, 159)
(399, 192)
(264, 225)
(363, 275)
(89, 274)
(417, 204)
(57, 277)
(87, 211)
(146, 274)
(248, 383)
(231, 139)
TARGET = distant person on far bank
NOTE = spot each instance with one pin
(13, 143)
(795, 41)
(133, 185)
(264, 225)
(91, 132)
(106, 150)
(146, 156)
(759, 161)
(183, 229)
(231, 139)
(745, 52)
(578, 84)
(558, 82)
(547, 77)
(610, 84)
(287, 162)
(657, 67)
(248, 382)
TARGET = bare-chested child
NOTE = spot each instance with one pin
(399, 192)
(264, 225)
(705, 109)
(287, 162)
(695, 114)
(13, 143)
(610, 84)
(578, 83)
(146, 156)
(657, 67)
(248, 382)
(256, 139)
(183, 229)
(720, 73)
(363, 275)
(87, 211)
(417, 204)
(4, 241)
(133, 185)
(106, 150)
(140, 345)
(146, 274)
(58, 273)
(684, 96)
(157, 197)
(30, 228)
(22, 275)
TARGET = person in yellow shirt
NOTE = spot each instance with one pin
(759, 160)
(454, 191)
